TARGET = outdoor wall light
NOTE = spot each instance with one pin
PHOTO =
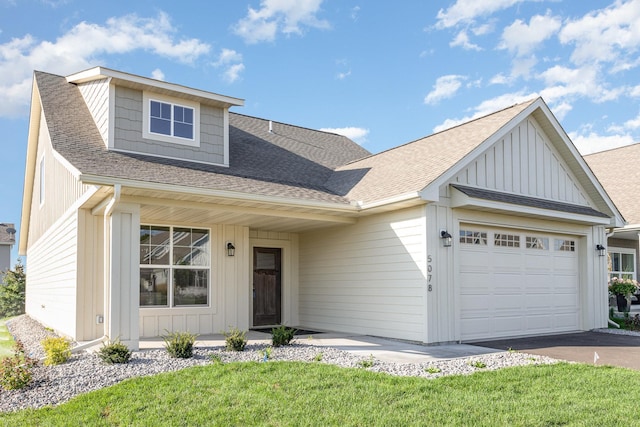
(446, 238)
(231, 250)
(602, 251)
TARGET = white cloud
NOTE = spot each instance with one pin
(462, 40)
(605, 35)
(359, 135)
(561, 110)
(445, 87)
(499, 79)
(522, 39)
(81, 48)
(465, 11)
(593, 142)
(344, 75)
(274, 16)
(157, 74)
(231, 61)
(487, 107)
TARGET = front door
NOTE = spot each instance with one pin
(267, 286)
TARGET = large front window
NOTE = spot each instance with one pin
(174, 266)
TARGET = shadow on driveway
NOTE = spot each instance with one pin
(612, 349)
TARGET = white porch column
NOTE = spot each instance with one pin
(124, 275)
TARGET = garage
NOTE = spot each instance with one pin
(517, 282)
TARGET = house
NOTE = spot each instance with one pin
(622, 184)
(7, 240)
(151, 207)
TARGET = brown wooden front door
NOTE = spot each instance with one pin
(267, 286)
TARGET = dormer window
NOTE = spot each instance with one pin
(171, 120)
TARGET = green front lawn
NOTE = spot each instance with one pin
(6, 340)
(299, 394)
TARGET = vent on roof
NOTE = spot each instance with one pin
(270, 126)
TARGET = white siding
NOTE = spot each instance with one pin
(96, 96)
(524, 162)
(367, 278)
(51, 278)
(62, 189)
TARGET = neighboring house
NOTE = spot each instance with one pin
(7, 240)
(149, 207)
(622, 182)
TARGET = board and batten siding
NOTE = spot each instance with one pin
(524, 162)
(51, 279)
(96, 96)
(366, 278)
(128, 131)
(61, 191)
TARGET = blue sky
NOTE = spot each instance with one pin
(382, 73)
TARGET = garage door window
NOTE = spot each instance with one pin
(565, 245)
(537, 243)
(473, 237)
(507, 240)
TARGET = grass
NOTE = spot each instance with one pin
(6, 340)
(302, 394)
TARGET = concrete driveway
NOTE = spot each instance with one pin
(612, 349)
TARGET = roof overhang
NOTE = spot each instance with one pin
(512, 204)
(143, 83)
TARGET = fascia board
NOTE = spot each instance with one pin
(101, 180)
(102, 72)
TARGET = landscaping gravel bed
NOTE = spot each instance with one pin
(85, 372)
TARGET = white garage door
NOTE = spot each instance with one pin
(515, 283)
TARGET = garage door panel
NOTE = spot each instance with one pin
(512, 291)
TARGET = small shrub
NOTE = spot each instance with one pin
(16, 370)
(114, 352)
(478, 364)
(216, 358)
(433, 370)
(235, 339)
(282, 335)
(318, 357)
(634, 323)
(56, 349)
(12, 291)
(179, 344)
(366, 363)
(266, 353)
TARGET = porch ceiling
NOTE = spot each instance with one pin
(184, 209)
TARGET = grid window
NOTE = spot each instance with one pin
(174, 266)
(170, 119)
(473, 237)
(506, 240)
(565, 245)
(537, 243)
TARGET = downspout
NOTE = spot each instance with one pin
(108, 211)
(611, 322)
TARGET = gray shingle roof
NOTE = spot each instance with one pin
(7, 238)
(617, 172)
(411, 167)
(290, 162)
(534, 202)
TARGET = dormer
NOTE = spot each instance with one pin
(140, 115)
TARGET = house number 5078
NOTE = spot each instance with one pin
(429, 275)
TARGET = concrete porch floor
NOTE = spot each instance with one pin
(381, 348)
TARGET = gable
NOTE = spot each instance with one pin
(524, 162)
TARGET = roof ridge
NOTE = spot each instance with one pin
(530, 101)
(633, 144)
(292, 125)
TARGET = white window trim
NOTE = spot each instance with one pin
(170, 289)
(146, 123)
(630, 251)
(42, 171)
